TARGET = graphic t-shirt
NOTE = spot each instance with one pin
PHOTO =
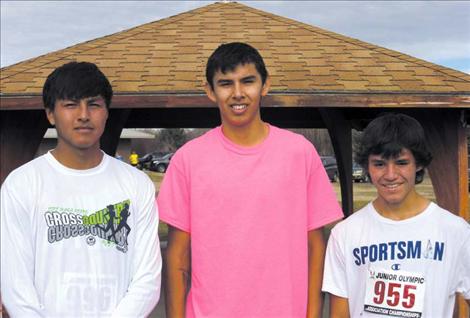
(407, 268)
(79, 242)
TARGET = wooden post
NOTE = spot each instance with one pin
(116, 121)
(21, 133)
(446, 137)
(340, 134)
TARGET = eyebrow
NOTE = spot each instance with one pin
(249, 77)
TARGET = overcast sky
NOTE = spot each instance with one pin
(436, 31)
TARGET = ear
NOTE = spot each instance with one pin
(210, 93)
(50, 116)
(266, 86)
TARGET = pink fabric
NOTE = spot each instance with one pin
(248, 211)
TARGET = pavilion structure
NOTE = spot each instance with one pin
(320, 79)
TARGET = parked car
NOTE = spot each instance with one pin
(359, 174)
(161, 164)
(145, 161)
(329, 163)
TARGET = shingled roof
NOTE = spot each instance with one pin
(168, 56)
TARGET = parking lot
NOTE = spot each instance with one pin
(363, 192)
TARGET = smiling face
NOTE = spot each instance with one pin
(79, 123)
(394, 179)
(238, 94)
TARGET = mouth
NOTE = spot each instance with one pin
(239, 107)
(83, 129)
(391, 186)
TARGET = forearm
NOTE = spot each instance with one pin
(316, 256)
(177, 273)
(176, 288)
(339, 307)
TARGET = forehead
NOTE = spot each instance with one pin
(98, 98)
(404, 154)
(240, 71)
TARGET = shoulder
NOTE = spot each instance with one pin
(449, 221)
(352, 223)
(26, 173)
(196, 147)
(293, 143)
(290, 137)
(127, 171)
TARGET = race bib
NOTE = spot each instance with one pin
(394, 293)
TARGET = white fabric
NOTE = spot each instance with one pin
(55, 265)
(434, 243)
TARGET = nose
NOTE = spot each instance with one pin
(238, 91)
(84, 112)
(390, 171)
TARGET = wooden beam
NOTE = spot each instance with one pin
(340, 133)
(21, 133)
(116, 122)
(274, 99)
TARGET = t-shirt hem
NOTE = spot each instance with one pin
(334, 291)
(325, 221)
(174, 224)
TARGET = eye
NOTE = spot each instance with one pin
(402, 162)
(378, 164)
(70, 104)
(224, 83)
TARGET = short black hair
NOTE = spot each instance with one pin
(76, 80)
(228, 56)
(388, 135)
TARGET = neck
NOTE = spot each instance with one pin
(78, 159)
(413, 205)
(246, 136)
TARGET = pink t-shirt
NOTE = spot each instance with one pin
(248, 211)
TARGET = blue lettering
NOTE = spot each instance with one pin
(364, 253)
(373, 253)
(356, 256)
(392, 249)
(414, 252)
(438, 250)
(401, 250)
(383, 252)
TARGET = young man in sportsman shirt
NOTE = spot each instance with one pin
(78, 227)
(246, 203)
(401, 255)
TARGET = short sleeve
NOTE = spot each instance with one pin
(463, 285)
(334, 276)
(323, 207)
(173, 198)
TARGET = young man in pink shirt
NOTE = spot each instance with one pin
(245, 203)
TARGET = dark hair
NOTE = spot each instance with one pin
(388, 135)
(76, 80)
(228, 56)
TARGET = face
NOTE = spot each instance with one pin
(79, 123)
(238, 95)
(394, 179)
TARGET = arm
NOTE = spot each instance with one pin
(339, 307)
(144, 288)
(177, 271)
(18, 292)
(316, 257)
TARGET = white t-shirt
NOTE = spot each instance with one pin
(79, 243)
(407, 268)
